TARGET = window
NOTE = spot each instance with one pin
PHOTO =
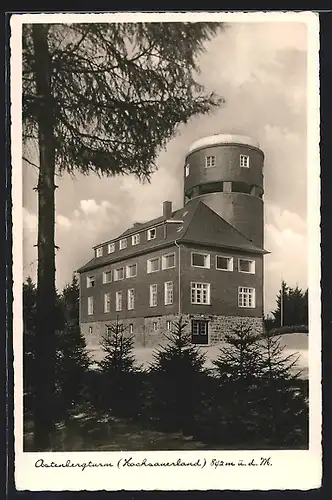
(90, 330)
(187, 169)
(200, 260)
(168, 261)
(224, 263)
(200, 293)
(210, 161)
(168, 325)
(168, 292)
(247, 266)
(107, 302)
(90, 306)
(118, 274)
(111, 248)
(107, 276)
(131, 271)
(131, 328)
(90, 281)
(155, 325)
(244, 161)
(131, 299)
(153, 295)
(153, 265)
(123, 243)
(151, 233)
(118, 301)
(135, 239)
(246, 297)
(99, 252)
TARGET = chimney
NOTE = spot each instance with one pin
(167, 210)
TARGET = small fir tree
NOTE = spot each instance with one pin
(177, 373)
(284, 416)
(119, 371)
(238, 368)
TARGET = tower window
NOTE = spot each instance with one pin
(210, 161)
(246, 266)
(244, 161)
(187, 169)
(246, 297)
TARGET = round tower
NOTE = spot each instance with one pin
(225, 171)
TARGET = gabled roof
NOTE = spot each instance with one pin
(201, 226)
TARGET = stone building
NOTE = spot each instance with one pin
(203, 262)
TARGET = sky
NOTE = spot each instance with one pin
(260, 70)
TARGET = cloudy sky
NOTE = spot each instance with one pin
(260, 70)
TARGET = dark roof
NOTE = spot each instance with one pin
(201, 226)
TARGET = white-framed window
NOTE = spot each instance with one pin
(200, 259)
(135, 239)
(111, 248)
(168, 261)
(200, 293)
(123, 243)
(244, 161)
(155, 326)
(107, 302)
(168, 324)
(99, 252)
(168, 288)
(90, 330)
(187, 169)
(153, 265)
(118, 274)
(224, 263)
(152, 233)
(210, 161)
(90, 281)
(246, 266)
(118, 301)
(131, 299)
(246, 297)
(131, 271)
(90, 306)
(107, 277)
(153, 295)
(131, 328)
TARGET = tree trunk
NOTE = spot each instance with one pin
(45, 328)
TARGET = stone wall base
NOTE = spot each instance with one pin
(150, 332)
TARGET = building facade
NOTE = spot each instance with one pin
(203, 262)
